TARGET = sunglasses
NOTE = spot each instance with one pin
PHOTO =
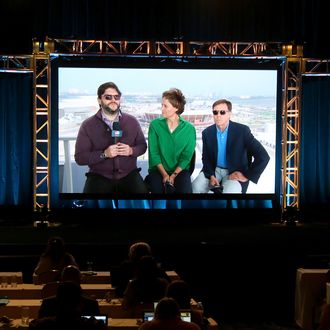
(110, 97)
(222, 112)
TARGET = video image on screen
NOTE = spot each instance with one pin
(254, 91)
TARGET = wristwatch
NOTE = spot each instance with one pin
(175, 173)
(103, 155)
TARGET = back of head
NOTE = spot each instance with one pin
(68, 298)
(55, 247)
(138, 250)
(71, 273)
(147, 268)
(179, 290)
(167, 309)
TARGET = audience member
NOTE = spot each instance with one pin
(127, 268)
(179, 290)
(55, 257)
(167, 316)
(88, 305)
(68, 312)
(147, 286)
(71, 273)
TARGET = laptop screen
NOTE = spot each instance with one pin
(185, 315)
(103, 318)
(148, 316)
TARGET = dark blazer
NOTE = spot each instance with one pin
(244, 153)
(48, 307)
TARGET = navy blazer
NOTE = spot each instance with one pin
(244, 152)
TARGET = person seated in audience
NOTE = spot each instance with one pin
(89, 306)
(55, 257)
(179, 290)
(68, 312)
(127, 268)
(147, 286)
(71, 273)
(167, 316)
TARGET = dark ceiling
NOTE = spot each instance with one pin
(295, 21)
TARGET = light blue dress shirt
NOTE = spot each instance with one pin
(222, 147)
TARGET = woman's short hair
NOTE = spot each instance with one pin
(176, 98)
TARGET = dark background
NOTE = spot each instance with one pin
(241, 265)
(301, 22)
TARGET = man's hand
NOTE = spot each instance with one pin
(111, 151)
(123, 149)
(238, 176)
(214, 181)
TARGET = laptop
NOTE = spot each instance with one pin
(149, 315)
(103, 318)
(185, 315)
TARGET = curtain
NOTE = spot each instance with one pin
(16, 138)
(315, 143)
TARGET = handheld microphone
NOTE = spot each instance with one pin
(116, 131)
(169, 188)
(217, 189)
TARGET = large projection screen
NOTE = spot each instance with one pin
(254, 86)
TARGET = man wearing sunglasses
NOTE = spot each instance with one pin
(231, 155)
(109, 142)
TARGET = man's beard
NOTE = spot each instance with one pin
(109, 110)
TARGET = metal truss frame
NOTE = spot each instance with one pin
(16, 62)
(315, 66)
(41, 131)
(291, 110)
(167, 48)
(39, 62)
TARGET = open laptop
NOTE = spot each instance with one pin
(185, 315)
(148, 316)
(103, 318)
